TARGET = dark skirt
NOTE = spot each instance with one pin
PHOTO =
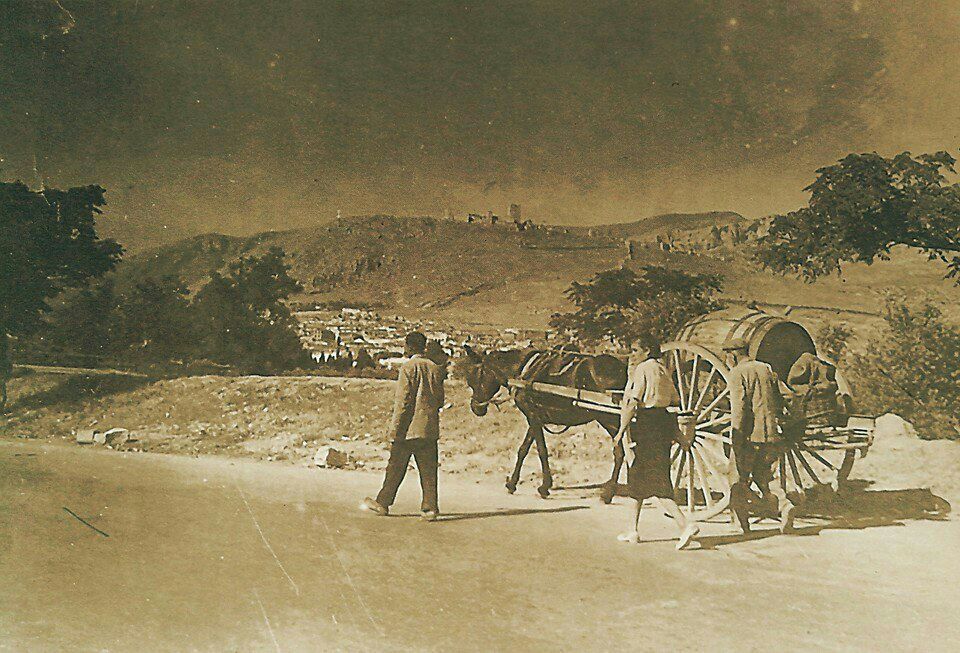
(649, 475)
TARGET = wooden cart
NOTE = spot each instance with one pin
(702, 471)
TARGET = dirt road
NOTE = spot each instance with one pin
(220, 555)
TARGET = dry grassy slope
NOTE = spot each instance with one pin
(675, 222)
(289, 418)
(452, 271)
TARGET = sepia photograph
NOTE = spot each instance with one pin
(479, 325)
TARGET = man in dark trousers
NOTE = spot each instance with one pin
(757, 406)
(414, 429)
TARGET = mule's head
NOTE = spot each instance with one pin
(483, 379)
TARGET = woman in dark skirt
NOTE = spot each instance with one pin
(652, 428)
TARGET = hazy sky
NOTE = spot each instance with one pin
(244, 116)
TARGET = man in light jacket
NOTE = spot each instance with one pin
(414, 430)
(757, 406)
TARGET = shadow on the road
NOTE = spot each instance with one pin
(588, 486)
(855, 508)
(708, 542)
(510, 512)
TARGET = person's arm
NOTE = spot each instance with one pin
(738, 394)
(404, 403)
(632, 394)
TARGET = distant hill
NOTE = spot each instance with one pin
(675, 222)
(470, 273)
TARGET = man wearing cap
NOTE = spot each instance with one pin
(756, 405)
(414, 430)
(651, 428)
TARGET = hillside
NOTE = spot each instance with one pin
(675, 222)
(478, 274)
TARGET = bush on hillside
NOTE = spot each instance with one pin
(242, 320)
(621, 305)
(238, 320)
(912, 368)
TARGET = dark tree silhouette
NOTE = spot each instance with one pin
(242, 319)
(623, 305)
(48, 242)
(862, 207)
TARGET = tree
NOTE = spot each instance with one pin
(154, 321)
(622, 305)
(81, 325)
(242, 317)
(912, 367)
(48, 243)
(862, 207)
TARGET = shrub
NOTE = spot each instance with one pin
(623, 305)
(912, 368)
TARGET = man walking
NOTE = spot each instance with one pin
(757, 405)
(414, 430)
(651, 428)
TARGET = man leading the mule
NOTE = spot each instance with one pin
(644, 415)
(414, 429)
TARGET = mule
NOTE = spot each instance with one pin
(487, 375)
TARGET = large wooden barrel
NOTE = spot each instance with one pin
(772, 339)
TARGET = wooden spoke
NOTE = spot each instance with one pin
(713, 404)
(676, 483)
(706, 387)
(783, 475)
(691, 494)
(707, 497)
(808, 468)
(705, 459)
(679, 371)
(823, 461)
(794, 471)
(675, 455)
(716, 437)
(693, 379)
(719, 420)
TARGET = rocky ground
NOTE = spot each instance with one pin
(288, 419)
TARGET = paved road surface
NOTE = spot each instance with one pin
(220, 555)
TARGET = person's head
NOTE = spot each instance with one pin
(414, 343)
(645, 347)
(736, 350)
(435, 352)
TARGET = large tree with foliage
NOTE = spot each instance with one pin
(242, 318)
(622, 305)
(862, 207)
(48, 243)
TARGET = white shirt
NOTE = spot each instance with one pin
(649, 383)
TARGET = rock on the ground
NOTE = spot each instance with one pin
(330, 457)
(894, 426)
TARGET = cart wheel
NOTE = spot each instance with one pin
(812, 463)
(700, 459)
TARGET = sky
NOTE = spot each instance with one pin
(238, 117)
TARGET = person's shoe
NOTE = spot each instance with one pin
(429, 515)
(690, 532)
(786, 518)
(372, 506)
(633, 537)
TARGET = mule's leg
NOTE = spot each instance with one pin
(514, 478)
(547, 483)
